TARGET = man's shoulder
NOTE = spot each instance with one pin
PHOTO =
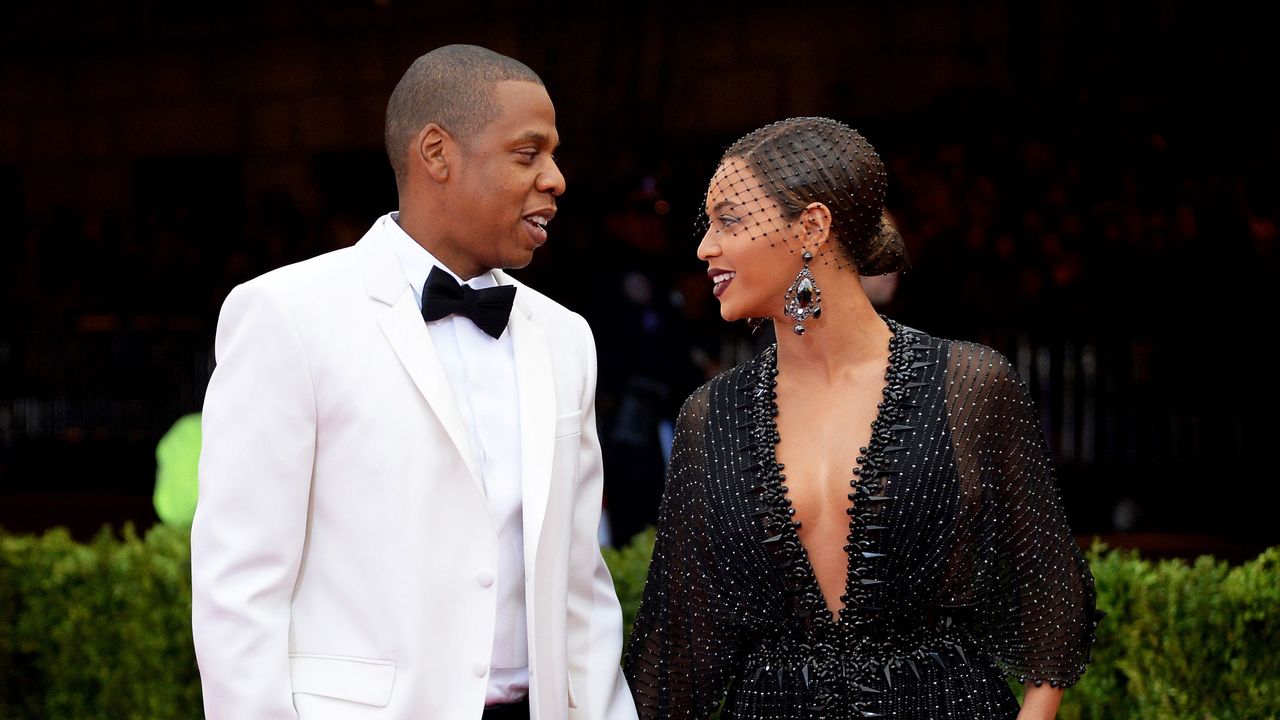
(315, 287)
(545, 309)
(310, 275)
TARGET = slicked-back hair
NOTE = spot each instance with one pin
(814, 159)
(452, 87)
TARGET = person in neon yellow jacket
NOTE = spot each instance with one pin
(177, 465)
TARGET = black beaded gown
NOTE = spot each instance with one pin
(962, 569)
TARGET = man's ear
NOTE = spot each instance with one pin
(429, 151)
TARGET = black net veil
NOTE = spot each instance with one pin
(769, 177)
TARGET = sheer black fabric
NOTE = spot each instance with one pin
(962, 569)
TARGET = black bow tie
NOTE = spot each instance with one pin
(489, 308)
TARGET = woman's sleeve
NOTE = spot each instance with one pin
(1037, 598)
(682, 650)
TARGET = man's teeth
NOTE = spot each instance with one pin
(537, 220)
(723, 277)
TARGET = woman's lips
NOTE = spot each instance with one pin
(721, 279)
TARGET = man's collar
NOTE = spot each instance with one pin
(417, 261)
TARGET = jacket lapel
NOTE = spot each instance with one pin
(401, 322)
(535, 379)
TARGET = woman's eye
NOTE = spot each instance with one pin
(728, 220)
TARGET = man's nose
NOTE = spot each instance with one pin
(551, 180)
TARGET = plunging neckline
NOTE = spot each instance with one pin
(835, 614)
(867, 484)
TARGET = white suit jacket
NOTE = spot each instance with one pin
(343, 552)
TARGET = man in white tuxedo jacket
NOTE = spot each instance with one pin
(400, 484)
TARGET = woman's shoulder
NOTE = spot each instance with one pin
(980, 361)
(965, 354)
(724, 387)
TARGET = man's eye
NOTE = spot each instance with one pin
(528, 154)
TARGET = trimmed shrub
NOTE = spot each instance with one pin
(1183, 640)
(102, 630)
(629, 566)
(98, 630)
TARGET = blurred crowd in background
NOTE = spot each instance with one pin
(1117, 241)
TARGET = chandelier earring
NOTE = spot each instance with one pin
(803, 299)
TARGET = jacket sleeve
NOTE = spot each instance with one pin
(594, 621)
(259, 428)
(682, 650)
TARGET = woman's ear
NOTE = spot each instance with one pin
(430, 151)
(815, 218)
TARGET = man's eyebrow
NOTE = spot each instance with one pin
(537, 137)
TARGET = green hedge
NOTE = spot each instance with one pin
(102, 630)
(98, 630)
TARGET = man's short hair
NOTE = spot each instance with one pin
(452, 87)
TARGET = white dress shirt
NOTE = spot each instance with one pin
(482, 373)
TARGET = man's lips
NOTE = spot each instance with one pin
(536, 223)
(721, 279)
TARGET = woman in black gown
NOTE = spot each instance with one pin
(911, 552)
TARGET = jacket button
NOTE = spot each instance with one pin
(485, 578)
(480, 668)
